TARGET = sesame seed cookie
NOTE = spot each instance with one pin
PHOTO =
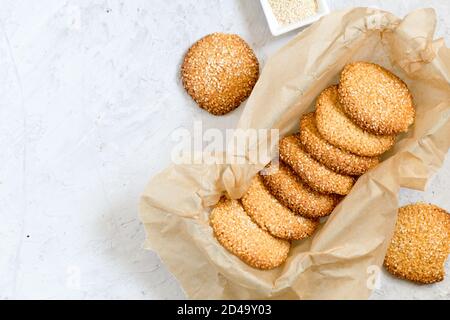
(420, 245)
(334, 158)
(335, 127)
(315, 174)
(272, 216)
(375, 99)
(289, 189)
(219, 72)
(236, 231)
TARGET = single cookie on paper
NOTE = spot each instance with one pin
(272, 216)
(237, 233)
(293, 193)
(333, 157)
(420, 245)
(219, 72)
(375, 99)
(315, 174)
(335, 127)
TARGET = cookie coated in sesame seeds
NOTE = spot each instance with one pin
(292, 192)
(219, 72)
(375, 99)
(315, 174)
(420, 245)
(237, 233)
(335, 127)
(334, 158)
(272, 216)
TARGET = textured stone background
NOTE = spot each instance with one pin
(89, 95)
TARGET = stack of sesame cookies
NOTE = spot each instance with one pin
(353, 124)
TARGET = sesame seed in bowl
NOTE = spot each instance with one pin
(287, 15)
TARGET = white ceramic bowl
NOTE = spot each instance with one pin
(276, 29)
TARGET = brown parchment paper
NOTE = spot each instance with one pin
(340, 260)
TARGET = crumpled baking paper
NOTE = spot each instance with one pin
(341, 260)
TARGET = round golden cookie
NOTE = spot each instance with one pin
(335, 127)
(375, 99)
(334, 158)
(272, 216)
(289, 189)
(315, 174)
(236, 231)
(219, 72)
(420, 245)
